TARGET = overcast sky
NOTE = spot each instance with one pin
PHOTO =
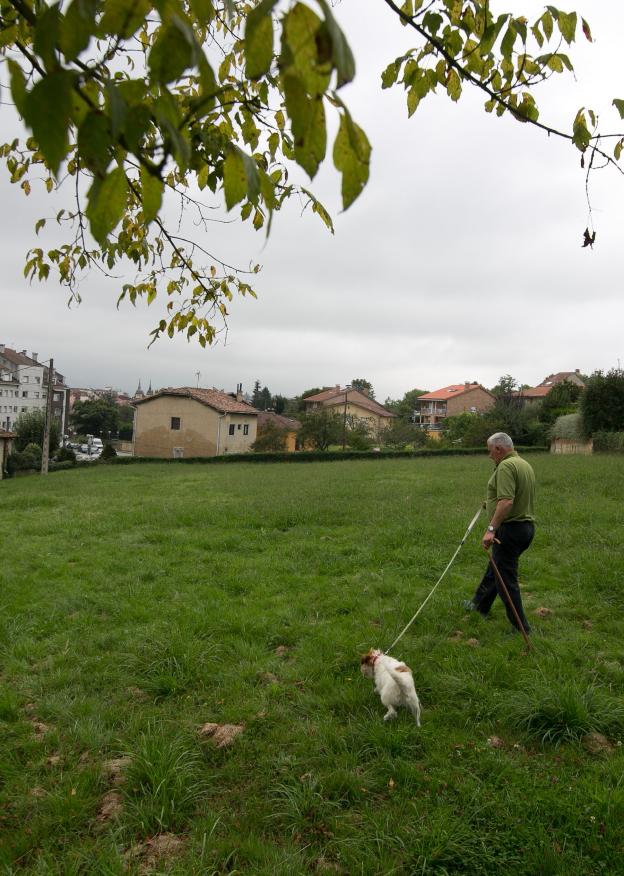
(461, 260)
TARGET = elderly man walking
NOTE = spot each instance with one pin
(509, 506)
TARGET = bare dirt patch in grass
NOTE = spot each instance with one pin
(221, 734)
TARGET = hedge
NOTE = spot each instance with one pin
(312, 456)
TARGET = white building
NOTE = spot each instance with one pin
(24, 388)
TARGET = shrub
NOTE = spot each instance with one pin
(65, 454)
(604, 441)
(270, 437)
(108, 452)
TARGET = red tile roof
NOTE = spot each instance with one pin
(213, 398)
(532, 392)
(560, 377)
(448, 392)
(336, 396)
(281, 422)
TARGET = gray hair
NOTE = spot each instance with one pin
(501, 439)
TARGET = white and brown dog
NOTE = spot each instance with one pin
(393, 682)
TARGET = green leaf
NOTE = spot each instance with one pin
(47, 110)
(352, 158)
(234, 177)
(259, 40)
(453, 85)
(18, 86)
(344, 61)
(586, 30)
(580, 134)
(617, 152)
(106, 204)
(508, 41)
(46, 36)
(95, 142)
(77, 28)
(547, 24)
(390, 74)
(203, 10)
(151, 195)
(171, 54)
(619, 105)
(123, 17)
(567, 25)
(311, 148)
(305, 54)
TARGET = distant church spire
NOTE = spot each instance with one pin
(149, 391)
(139, 392)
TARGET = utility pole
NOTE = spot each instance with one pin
(45, 450)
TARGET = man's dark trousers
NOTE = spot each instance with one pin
(514, 538)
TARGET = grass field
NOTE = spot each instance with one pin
(140, 603)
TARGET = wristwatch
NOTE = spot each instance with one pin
(491, 529)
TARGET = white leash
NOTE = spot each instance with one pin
(452, 560)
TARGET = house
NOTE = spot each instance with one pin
(183, 422)
(353, 405)
(24, 388)
(533, 394)
(432, 408)
(6, 439)
(287, 425)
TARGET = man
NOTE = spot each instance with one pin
(509, 505)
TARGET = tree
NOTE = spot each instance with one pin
(405, 407)
(278, 403)
(126, 422)
(29, 429)
(183, 100)
(320, 428)
(401, 433)
(505, 387)
(561, 400)
(97, 417)
(363, 385)
(602, 402)
(270, 437)
(357, 434)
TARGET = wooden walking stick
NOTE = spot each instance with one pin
(509, 599)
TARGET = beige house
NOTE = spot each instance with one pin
(187, 422)
(287, 425)
(532, 394)
(432, 408)
(353, 405)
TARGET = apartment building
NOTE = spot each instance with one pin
(24, 388)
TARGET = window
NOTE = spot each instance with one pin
(231, 429)
(245, 429)
(175, 423)
(239, 425)
(24, 394)
(38, 379)
(178, 452)
(25, 378)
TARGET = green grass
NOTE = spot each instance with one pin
(138, 603)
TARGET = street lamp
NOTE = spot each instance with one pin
(344, 420)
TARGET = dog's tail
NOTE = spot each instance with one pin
(402, 675)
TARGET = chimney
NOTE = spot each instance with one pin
(22, 352)
(577, 370)
(1, 348)
(338, 386)
(239, 392)
(34, 356)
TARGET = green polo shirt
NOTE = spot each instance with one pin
(513, 478)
